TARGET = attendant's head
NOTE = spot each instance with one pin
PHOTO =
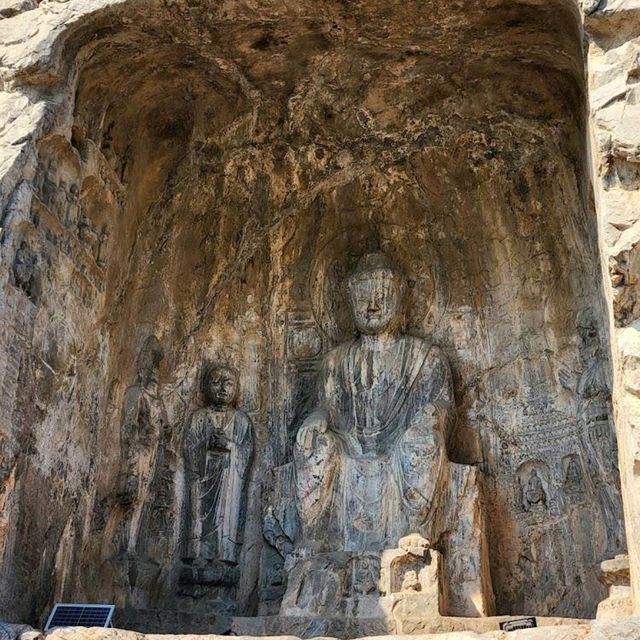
(375, 293)
(220, 385)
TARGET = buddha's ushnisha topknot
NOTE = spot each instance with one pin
(374, 262)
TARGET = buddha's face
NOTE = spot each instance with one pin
(221, 387)
(375, 301)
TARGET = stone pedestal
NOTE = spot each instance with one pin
(170, 621)
(362, 585)
(615, 575)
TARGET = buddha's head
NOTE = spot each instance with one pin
(375, 293)
(220, 385)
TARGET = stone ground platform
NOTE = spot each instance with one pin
(408, 625)
(627, 629)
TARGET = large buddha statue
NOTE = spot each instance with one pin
(368, 459)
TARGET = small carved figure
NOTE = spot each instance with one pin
(573, 477)
(59, 201)
(273, 581)
(275, 575)
(87, 234)
(410, 582)
(218, 452)
(102, 246)
(534, 494)
(25, 269)
(320, 591)
(594, 381)
(366, 576)
(616, 274)
(49, 187)
(73, 206)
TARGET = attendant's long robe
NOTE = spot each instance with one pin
(218, 452)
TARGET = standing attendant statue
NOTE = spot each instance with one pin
(143, 434)
(218, 452)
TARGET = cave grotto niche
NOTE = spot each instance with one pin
(224, 167)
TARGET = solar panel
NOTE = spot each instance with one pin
(80, 615)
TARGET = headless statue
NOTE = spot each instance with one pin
(143, 432)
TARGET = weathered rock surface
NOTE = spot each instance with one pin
(408, 621)
(614, 72)
(208, 174)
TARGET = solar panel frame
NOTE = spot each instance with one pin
(67, 614)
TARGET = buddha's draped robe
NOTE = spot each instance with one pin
(369, 457)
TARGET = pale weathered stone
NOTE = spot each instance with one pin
(615, 575)
(614, 65)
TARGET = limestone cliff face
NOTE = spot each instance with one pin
(614, 72)
(208, 173)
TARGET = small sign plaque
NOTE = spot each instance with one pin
(521, 623)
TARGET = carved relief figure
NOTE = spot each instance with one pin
(73, 207)
(410, 582)
(279, 544)
(60, 201)
(368, 457)
(87, 234)
(322, 589)
(143, 435)
(101, 247)
(534, 494)
(573, 476)
(218, 452)
(275, 535)
(366, 575)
